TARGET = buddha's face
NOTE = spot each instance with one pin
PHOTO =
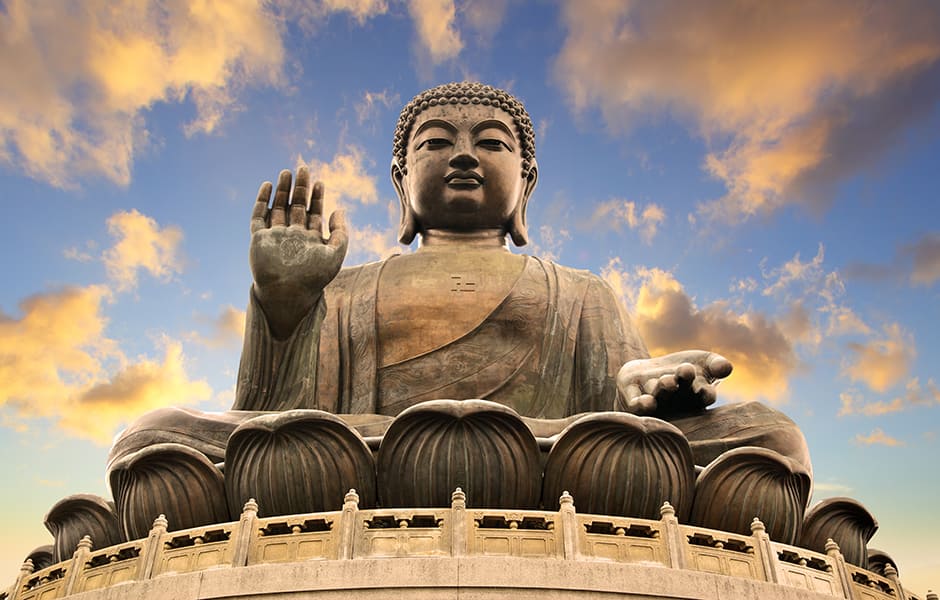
(464, 169)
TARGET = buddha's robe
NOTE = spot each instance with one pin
(549, 349)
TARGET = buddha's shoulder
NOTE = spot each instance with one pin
(569, 274)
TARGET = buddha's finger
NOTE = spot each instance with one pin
(651, 386)
(717, 367)
(279, 210)
(259, 214)
(630, 392)
(704, 391)
(316, 199)
(669, 382)
(643, 405)
(339, 235)
(685, 374)
(298, 201)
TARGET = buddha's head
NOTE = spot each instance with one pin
(464, 160)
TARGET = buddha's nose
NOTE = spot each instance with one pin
(464, 157)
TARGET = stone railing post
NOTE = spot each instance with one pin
(244, 533)
(77, 565)
(842, 572)
(765, 552)
(673, 538)
(458, 523)
(570, 532)
(892, 574)
(26, 571)
(932, 596)
(153, 548)
(347, 525)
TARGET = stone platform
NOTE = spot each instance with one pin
(455, 552)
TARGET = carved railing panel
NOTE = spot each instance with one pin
(722, 553)
(110, 566)
(507, 533)
(294, 538)
(195, 549)
(622, 539)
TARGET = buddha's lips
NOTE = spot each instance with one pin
(464, 179)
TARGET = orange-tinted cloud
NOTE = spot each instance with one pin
(615, 213)
(877, 437)
(883, 362)
(141, 244)
(56, 362)
(85, 75)
(669, 321)
(227, 328)
(789, 96)
(435, 22)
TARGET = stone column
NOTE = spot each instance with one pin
(244, 533)
(842, 572)
(458, 523)
(570, 532)
(765, 552)
(153, 548)
(77, 565)
(347, 525)
(26, 572)
(672, 537)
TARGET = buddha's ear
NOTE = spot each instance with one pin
(408, 227)
(517, 222)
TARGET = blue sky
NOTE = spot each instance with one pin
(759, 180)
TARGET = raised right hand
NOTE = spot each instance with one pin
(290, 260)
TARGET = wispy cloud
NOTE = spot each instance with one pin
(617, 213)
(916, 262)
(225, 329)
(368, 108)
(877, 438)
(86, 76)
(790, 97)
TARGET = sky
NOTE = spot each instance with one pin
(756, 179)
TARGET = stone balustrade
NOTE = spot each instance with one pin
(458, 531)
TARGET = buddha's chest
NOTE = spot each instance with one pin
(427, 300)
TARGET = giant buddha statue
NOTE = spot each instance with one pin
(461, 363)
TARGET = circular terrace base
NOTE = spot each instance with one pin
(441, 578)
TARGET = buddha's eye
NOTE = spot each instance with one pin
(434, 143)
(494, 144)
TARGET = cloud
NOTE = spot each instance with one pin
(926, 256)
(794, 271)
(918, 262)
(371, 243)
(435, 23)
(371, 103)
(851, 404)
(226, 329)
(87, 75)
(790, 97)
(883, 362)
(877, 437)
(615, 213)
(669, 320)
(548, 242)
(56, 363)
(344, 178)
(96, 412)
(309, 14)
(141, 244)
